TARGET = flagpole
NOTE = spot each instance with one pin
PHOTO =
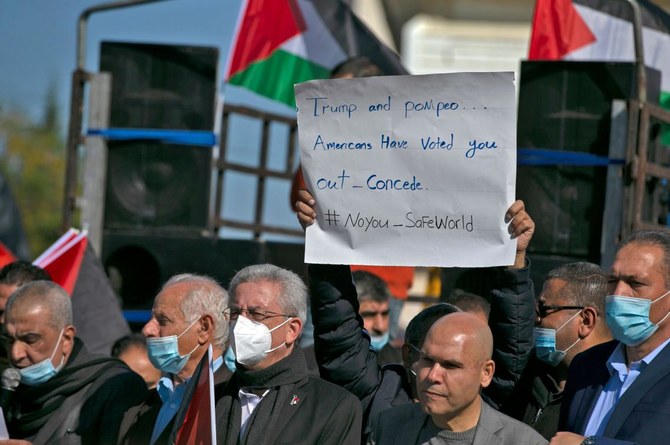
(639, 51)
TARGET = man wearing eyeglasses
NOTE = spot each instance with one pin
(271, 397)
(453, 366)
(618, 393)
(187, 317)
(570, 319)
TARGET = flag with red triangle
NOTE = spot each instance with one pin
(6, 255)
(601, 30)
(62, 260)
(283, 42)
(195, 420)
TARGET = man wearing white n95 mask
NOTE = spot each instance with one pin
(272, 398)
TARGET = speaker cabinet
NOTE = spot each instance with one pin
(566, 106)
(150, 184)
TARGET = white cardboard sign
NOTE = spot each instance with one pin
(410, 170)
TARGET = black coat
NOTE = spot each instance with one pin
(90, 395)
(317, 412)
(343, 348)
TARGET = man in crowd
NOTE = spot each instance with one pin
(187, 317)
(570, 319)
(132, 350)
(373, 298)
(271, 397)
(15, 275)
(342, 346)
(66, 395)
(12, 276)
(452, 368)
(618, 392)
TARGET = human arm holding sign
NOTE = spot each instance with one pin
(511, 320)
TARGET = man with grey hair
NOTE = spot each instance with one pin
(271, 397)
(374, 297)
(187, 317)
(570, 318)
(66, 394)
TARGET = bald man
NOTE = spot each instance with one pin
(66, 394)
(454, 365)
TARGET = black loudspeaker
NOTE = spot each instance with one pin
(150, 184)
(138, 263)
(567, 106)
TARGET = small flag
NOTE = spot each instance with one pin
(295, 400)
(283, 42)
(62, 260)
(194, 421)
(6, 255)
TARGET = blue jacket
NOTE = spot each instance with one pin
(642, 415)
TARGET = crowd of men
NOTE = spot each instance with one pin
(587, 361)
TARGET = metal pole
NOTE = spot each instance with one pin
(639, 51)
(79, 79)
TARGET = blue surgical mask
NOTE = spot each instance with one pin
(229, 359)
(545, 344)
(43, 371)
(164, 352)
(628, 318)
(377, 342)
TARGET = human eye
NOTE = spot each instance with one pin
(257, 314)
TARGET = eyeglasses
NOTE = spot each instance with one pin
(543, 310)
(254, 313)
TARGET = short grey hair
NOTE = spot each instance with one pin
(292, 298)
(585, 284)
(42, 293)
(205, 296)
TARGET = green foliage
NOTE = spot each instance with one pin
(32, 160)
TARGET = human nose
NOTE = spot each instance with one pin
(17, 352)
(620, 287)
(151, 329)
(435, 373)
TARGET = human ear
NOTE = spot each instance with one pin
(589, 319)
(488, 368)
(206, 329)
(69, 333)
(293, 331)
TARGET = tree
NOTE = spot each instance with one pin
(33, 162)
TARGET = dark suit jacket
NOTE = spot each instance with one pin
(402, 425)
(325, 414)
(642, 415)
(138, 422)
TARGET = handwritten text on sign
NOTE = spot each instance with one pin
(410, 170)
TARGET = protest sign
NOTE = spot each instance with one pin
(410, 170)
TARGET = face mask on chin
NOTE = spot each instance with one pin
(164, 352)
(628, 318)
(43, 371)
(377, 342)
(252, 340)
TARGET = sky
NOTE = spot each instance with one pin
(38, 46)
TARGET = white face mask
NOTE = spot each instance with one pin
(252, 340)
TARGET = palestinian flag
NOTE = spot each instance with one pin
(283, 42)
(62, 260)
(194, 422)
(601, 30)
